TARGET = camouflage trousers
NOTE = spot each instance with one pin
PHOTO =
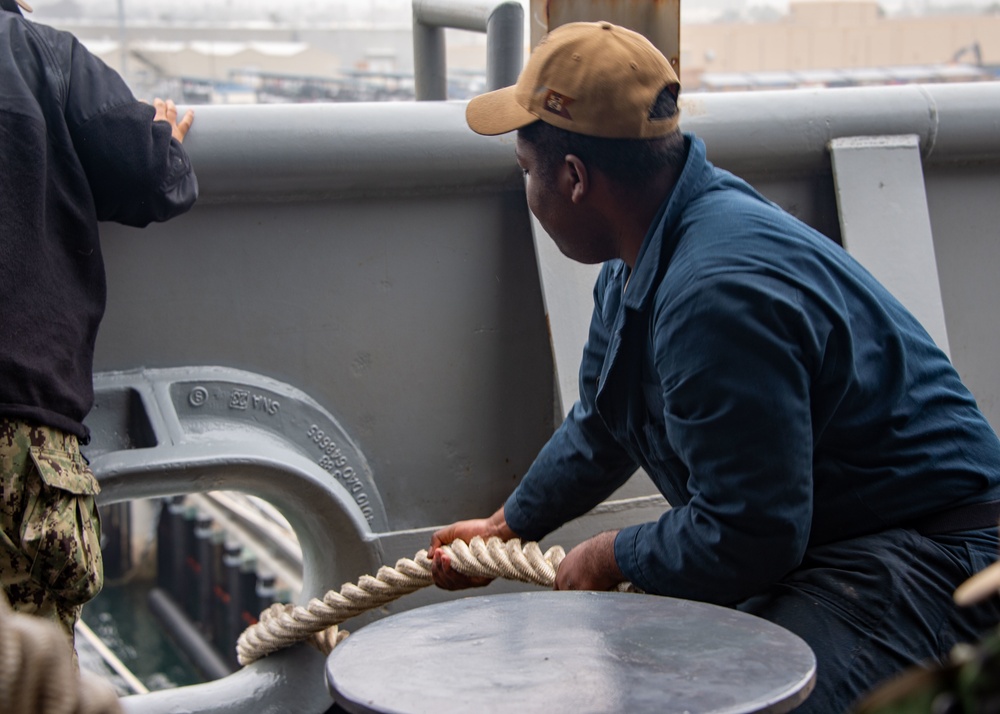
(50, 554)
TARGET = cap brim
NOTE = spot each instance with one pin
(497, 112)
(980, 586)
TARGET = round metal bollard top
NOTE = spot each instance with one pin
(571, 652)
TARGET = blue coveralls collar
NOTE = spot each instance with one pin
(654, 256)
(660, 242)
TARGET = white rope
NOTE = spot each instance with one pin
(282, 625)
(37, 673)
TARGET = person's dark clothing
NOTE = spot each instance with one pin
(778, 396)
(77, 148)
(780, 399)
(873, 606)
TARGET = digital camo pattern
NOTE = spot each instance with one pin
(50, 554)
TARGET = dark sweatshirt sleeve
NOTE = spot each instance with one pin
(137, 171)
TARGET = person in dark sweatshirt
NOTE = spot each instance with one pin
(76, 148)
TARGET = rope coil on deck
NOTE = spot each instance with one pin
(282, 625)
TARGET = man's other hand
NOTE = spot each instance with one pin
(591, 565)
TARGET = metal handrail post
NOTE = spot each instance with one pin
(504, 45)
(503, 23)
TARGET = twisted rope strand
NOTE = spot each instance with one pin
(37, 672)
(282, 625)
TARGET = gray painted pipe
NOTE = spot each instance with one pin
(504, 45)
(318, 151)
(503, 23)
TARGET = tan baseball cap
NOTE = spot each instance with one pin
(591, 78)
(24, 6)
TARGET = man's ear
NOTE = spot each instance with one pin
(577, 177)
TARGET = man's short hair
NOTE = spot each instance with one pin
(629, 162)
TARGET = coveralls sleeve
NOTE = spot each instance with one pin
(733, 356)
(138, 173)
(581, 464)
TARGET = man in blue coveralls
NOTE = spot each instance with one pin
(826, 467)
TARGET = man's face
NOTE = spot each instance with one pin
(571, 224)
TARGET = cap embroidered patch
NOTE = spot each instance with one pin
(557, 103)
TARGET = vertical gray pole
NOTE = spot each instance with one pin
(504, 45)
(502, 22)
(429, 61)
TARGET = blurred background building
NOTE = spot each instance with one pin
(229, 52)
